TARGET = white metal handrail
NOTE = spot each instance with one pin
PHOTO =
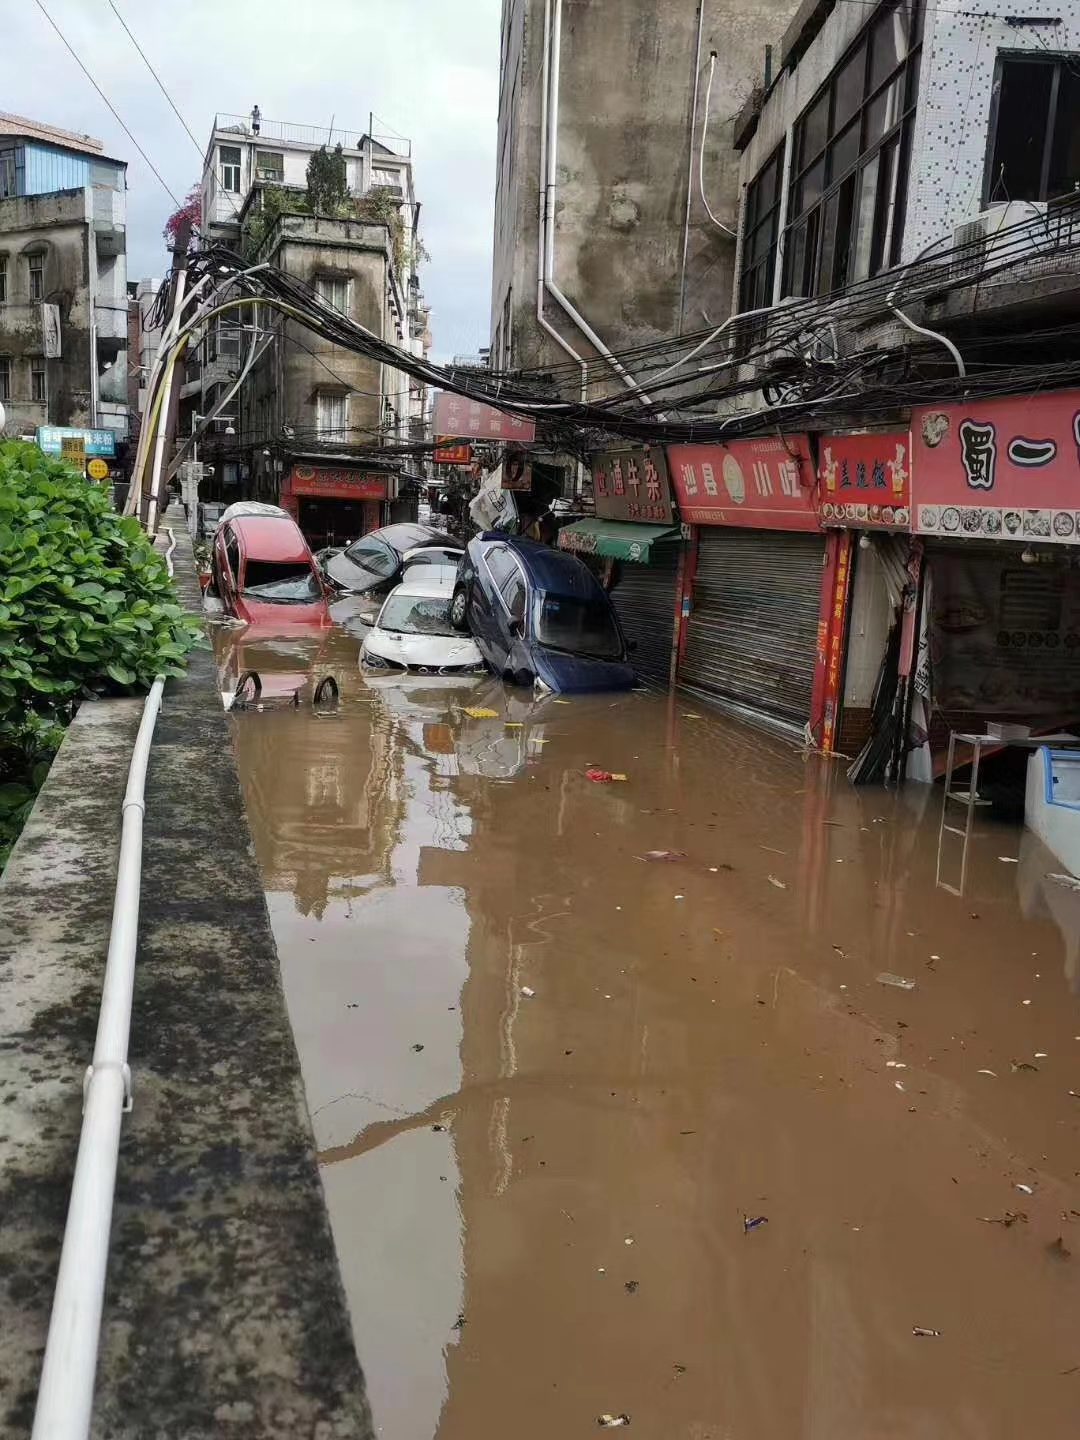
(66, 1393)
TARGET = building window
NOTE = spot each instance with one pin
(333, 291)
(8, 180)
(5, 377)
(761, 231)
(39, 382)
(36, 270)
(229, 157)
(3, 278)
(850, 156)
(270, 166)
(1034, 151)
(331, 415)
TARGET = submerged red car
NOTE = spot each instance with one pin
(263, 570)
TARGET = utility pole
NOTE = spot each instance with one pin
(168, 408)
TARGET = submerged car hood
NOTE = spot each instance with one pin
(568, 673)
(430, 651)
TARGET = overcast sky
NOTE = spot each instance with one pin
(429, 70)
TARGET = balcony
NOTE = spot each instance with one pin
(110, 231)
(111, 322)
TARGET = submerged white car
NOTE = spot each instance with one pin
(413, 632)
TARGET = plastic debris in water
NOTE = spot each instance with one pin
(888, 978)
(1025, 1189)
(989, 1072)
(631, 1287)
(778, 883)
(527, 992)
(662, 855)
(921, 1330)
(1009, 859)
(751, 1222)
(481, 712)
(610, 1422)
(1069, 881)
(599, 777)
(895, 1065)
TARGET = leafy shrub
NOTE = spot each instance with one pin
(86, 608)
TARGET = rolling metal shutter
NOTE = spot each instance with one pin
(644, 601)
(752, 632)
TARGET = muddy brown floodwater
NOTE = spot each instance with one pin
(552, 1081)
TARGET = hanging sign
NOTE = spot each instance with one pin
(337, 484)
(459, 418)
(766, 482)
(1004, 469)
(632, 485)
(447, 453)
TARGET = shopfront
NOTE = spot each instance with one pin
(335, 505)
(758, 575)
(996, 498)
(634, 528)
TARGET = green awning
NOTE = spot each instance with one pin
(620, 539)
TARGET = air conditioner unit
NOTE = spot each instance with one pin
(1009, 231)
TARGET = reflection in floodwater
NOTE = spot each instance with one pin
(551, 1079)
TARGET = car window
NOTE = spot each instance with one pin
(374, 556)
(408, 537)
(232, 555)
(582, 627)
(513, 592)
(501, 564)
(280, 583)
(417, 615)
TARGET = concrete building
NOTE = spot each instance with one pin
(621, 116)
(311, 417)
(63, 280)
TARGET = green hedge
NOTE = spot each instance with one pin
(86, 608)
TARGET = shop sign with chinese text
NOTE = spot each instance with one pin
(865, 480)
(766, 483)
(337, 484)
(449, 453)
(632, 485)
(459, 418)
(1004, 469)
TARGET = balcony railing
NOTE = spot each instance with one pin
(315, 135)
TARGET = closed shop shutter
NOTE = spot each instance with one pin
(752, 632)
(644, 601)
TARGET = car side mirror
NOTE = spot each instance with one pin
(368, 620)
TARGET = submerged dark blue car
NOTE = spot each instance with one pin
(538, 614)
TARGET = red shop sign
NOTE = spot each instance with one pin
(865, 480)
(337, 484)
(459, 418)
(1006, 469)
(447, 453)
(766, 482)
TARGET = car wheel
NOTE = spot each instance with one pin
(459, 606)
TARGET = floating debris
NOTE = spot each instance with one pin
(1008, 1220)
(751, 1222)
(1009, 859)
(1069, 881)
(610, 1422)
(988, 1072)
(895, 1065)
(898, 981)
(778, 883)
(481, 712)
(1025, 1189)
(662, 855)
(631, 1287)
(1016, 1065)
(599, 777)
(1058, 1250)
(417, 1048)
(527, 992)
(921, 1330)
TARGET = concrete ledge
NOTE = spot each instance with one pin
(225, 1313)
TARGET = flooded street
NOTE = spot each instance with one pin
(554, 1080)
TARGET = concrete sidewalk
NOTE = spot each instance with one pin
(224, 1311)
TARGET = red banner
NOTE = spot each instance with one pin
(459, 418)
(1006, 469)
(336, 484)
(767, 482)
(865, 480)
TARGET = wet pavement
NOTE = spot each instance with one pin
(553, 1081)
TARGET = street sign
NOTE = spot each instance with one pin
(97, 469)
(73, 450)
(96, 442)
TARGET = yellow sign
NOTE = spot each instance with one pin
(98, 470)
(73, 448)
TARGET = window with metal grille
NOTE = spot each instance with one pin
(5, 377)
(331, 415)
(8, 177)
(229, 160)
(36, 276)
(761, 230)
(333, 290)
(1034, 151)
(850, 157)
(39, 380)
(270, 166)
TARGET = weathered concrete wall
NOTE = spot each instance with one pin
(626, 100)
(224, 1313)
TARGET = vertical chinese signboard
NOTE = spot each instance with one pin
(865, 480)
(1005, 469)
(632, 485)
(767, 483)
(457, 418)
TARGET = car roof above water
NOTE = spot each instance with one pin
(425, 585)
(550, 570)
